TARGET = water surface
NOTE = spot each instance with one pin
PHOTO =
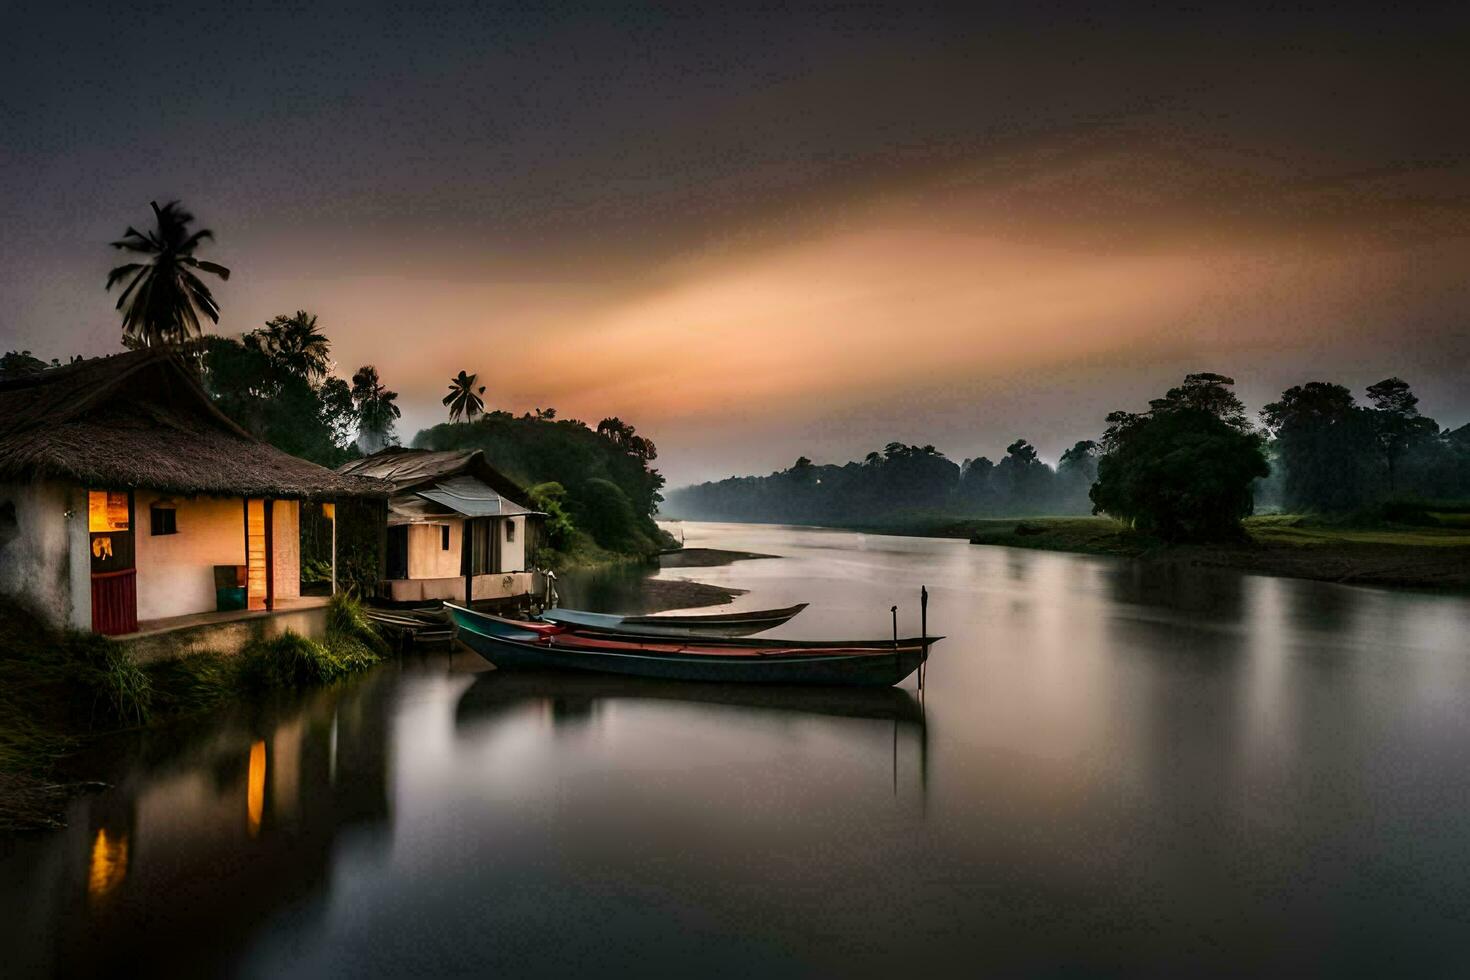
(1116, 768)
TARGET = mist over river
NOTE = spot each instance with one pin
(1115, 768)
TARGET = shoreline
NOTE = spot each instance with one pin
(1429, 559)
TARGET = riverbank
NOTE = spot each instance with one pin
(60, 690)
(1287, 545)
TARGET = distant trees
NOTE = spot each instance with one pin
(464, 399)
(376, 410)
(1183, 470)
(1322, 440)
(20, 363)
(164, 297)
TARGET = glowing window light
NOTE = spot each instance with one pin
(255, 791)
(108, 866)
(107, 510)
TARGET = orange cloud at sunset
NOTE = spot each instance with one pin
(957, 288)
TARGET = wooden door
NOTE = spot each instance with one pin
(114, 570)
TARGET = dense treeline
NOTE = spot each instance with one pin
(899, 480)
(596, 481)
(1188, 468)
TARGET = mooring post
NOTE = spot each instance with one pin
(923, 632)
(894, 611)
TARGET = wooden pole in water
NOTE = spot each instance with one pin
(923, 632)
(894, 611)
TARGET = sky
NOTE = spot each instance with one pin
(759, 232)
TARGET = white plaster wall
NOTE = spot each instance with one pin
(36, 553)
(286, 542)
(427, 557)
(513, 553)
(176, 571)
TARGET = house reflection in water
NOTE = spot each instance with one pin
(255, 792)
(108, 866)
(198, 843)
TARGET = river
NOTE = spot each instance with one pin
(1115, 768)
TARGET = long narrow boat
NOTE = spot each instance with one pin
(715, 624)
(672, 659)
(494, 625)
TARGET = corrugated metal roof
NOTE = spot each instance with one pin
(472, 498)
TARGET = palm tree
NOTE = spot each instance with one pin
(464, 399)
(375, 409)
(294, 345)
(164, 298)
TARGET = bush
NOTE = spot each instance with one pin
(550, 499)
(604, 512)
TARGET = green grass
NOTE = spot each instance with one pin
(1294, 545)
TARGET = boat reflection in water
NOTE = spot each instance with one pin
(572, 697)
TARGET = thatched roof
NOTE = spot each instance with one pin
(458, 481)
(142, 420)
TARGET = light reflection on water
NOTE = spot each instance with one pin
(1116, 767)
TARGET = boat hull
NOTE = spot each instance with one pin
(712, 624)
(514, 629)
(873, 669)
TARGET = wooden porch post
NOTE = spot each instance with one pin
(466, 558)
(270, 554)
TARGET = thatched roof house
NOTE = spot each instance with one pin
(88, 449)
(140, 420)
(458, 528)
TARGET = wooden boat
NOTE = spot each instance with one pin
(714, 624)
(520, 628)
(679, 659)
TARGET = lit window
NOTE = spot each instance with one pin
(163, 520)
(107, 510)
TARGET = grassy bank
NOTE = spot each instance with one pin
(1296, 546)
(58, 689)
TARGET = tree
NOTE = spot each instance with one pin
(626, 437)
(1022, 479)
(464, 399)
(376, 410)
(550, 498)
(1181, 473)
(1397, 424)
(294, 346)
(164, 298)
(338, 412)
(1208, 393)
(1076, 471)
(1324, 440)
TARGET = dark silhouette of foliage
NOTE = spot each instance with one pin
(464, 399)
(1182, 471)
(377, 410)
(1212, 394)
(19, 363)
(164, 297)
(1397, 425)
(1324, 441)
(273, 396)
(294, 346)
(565, 452)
